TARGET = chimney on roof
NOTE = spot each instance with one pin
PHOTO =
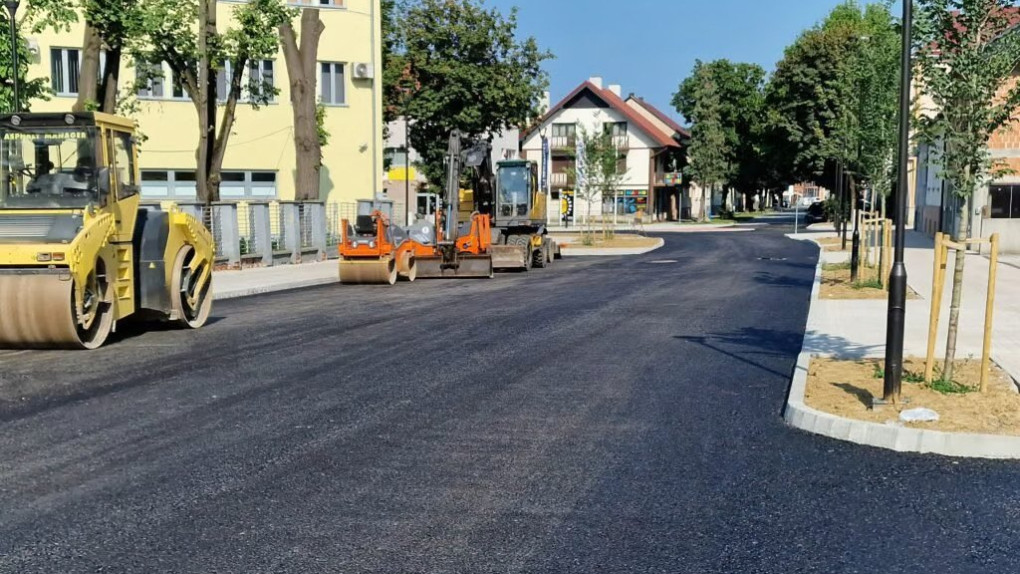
(597, 81)
(616, 89)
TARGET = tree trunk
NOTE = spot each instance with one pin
(88, 74)
(704, 206)
(954, 308)
(301, 67)
(111, 80)
(205, 101)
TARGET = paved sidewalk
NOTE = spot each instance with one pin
(858, 328)
(256, 280)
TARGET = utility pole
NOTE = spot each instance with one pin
(896, 321)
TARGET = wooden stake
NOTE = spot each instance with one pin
(986, 353)
(936, 306)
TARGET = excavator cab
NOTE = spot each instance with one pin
(519, 201)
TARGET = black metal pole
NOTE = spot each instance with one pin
(12, 9)
(898, 279)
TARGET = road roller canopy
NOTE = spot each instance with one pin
(57, 161)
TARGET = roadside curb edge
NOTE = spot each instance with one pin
(797, 414)
(264, 289)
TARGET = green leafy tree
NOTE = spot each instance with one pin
(740, 90)
(196, 55)
(109, 25)
(468, 71)
(709, 152)
(968, 51)
(27, 89)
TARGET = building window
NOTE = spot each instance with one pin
(394, 157)
(1004, 201)
(64, 64)
(333, 90)
(334, 3)
(564, 135)
(178, 93)
(258, 78)
(234, 186)
(65, 69)
(169, 184)
(150, 80)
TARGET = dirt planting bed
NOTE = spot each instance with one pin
(846, 387)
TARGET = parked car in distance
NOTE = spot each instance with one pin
(815, 213)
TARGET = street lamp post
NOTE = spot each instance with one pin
(12, 10)
(896, 321)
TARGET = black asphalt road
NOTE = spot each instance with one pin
(606, 415)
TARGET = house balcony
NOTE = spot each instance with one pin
(563, 142)
(621, 142)
(561, 180)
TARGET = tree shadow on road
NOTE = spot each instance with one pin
(774, 280)
(748, 342)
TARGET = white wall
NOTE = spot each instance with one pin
(638, 157)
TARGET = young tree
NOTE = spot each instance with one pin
(709, 151)
(197, 55)
(471, 71)
(302, 68)
(597, 171)
(967, 53)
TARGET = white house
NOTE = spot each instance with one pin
(650, 152)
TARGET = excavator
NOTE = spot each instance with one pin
(499, 223)
(78, 253)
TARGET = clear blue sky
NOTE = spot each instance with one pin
(649, 46)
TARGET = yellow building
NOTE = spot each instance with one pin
(260, 160)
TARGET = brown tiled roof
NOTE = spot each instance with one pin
(614, 102)
(662, 116)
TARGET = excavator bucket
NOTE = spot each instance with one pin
(510, 257)
(465, 267)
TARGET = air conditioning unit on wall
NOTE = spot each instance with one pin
(364, 71)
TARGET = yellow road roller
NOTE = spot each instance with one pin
(78, 253)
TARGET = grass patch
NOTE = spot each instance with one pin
(868, 284)
(836, 267)
(908, 376)
(951, 387)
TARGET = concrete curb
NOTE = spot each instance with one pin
(901, 439)
(264, 289)
(568, 251)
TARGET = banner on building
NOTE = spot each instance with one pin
(545, 164)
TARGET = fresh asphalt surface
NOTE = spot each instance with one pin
(604, 415)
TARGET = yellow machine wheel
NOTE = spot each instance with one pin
(94, 324)
(368, 271)
(190, 305)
